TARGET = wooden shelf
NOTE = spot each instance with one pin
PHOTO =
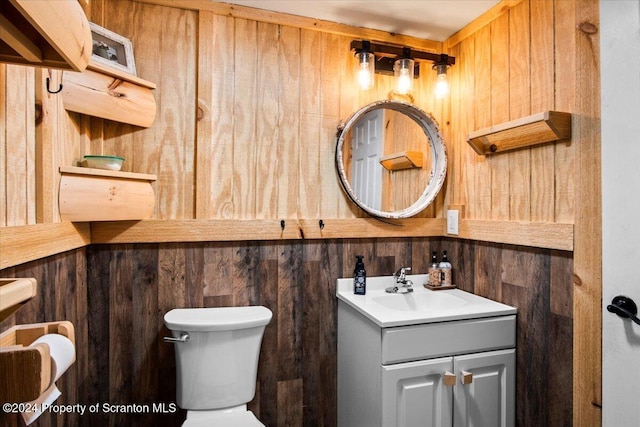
(14, 292)
(113, 72)
(403, 160)
(88, 194)
(532, 130)
(111, 94)
(31, 33)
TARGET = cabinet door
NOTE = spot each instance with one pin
(485, 391)
(414, 394)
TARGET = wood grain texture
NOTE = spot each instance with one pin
(288, 146)
(215, 121)
(67, 46)
(3, 127)
(99, 198)
(542, 99)
(19, 142)
(255, 14)
(116, 296)
(481, 22)
(96, 94)
(45, 172)
(222, 153)
(561, 71)
(587, 292)
(65, 301)
(566, 91)
(31, 242)
(519, 106)
(500, 84)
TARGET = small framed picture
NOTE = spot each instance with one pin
(112, 50)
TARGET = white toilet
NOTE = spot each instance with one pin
(217, 352)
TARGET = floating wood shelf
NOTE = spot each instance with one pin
(25, 372)
(31, 33)
(14, 292)
(111, 94)
(402, 160)
(536, 129)
(88, 194)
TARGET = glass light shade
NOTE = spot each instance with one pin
(365, 69)
(403, 72)
(442, 85)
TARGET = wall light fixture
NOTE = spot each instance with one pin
(401, 62)
(365, 66)
(442, 85)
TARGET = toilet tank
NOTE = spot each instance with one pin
(217, 367)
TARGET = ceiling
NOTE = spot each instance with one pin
(427, 19)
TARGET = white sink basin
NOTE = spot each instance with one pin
(420, 306)
(420, 301)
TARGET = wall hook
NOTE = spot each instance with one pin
(282, 224)
(624, 307)
(51, 91)
(321, 224)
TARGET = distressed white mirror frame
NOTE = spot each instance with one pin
(438, 158)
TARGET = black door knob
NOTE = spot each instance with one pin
(624, 307)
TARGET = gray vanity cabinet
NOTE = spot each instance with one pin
(456, 373)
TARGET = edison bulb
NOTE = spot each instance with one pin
(403, 72)
(442, 86)
(365, 68)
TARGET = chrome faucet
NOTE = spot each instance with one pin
(403, 285)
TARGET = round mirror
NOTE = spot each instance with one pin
(391, 159)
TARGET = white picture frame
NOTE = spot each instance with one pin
(112, 50)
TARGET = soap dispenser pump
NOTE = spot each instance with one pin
(359, 277)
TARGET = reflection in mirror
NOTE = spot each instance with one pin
(391, 159)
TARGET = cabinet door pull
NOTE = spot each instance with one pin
(449, 378)
(466, 377)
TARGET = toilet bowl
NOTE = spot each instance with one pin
(217, 351)
(240, 418)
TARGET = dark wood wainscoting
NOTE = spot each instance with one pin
(117, 295)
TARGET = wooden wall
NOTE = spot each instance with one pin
(62, 295)
(248, 110)
(116, 296)
(37, 136)
(239, 138)
(519, 64)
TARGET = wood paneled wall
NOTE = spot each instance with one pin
(62, 294)
(246, 121)
(116, 296)
(248, 113)
(247, 116)
(269, 98)
(518, 64)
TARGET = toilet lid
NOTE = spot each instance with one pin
(217, 318)
(229, 419)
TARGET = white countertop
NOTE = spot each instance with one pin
(420, 306)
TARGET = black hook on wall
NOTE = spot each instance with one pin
(51, 91)
(625, 308)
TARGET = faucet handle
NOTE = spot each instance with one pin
(401, 271)
(400, 274)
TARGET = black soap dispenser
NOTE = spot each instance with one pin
(359, 277)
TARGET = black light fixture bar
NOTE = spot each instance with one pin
(386, 56)
(395, 52)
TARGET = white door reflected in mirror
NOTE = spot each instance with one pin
(391, 159)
